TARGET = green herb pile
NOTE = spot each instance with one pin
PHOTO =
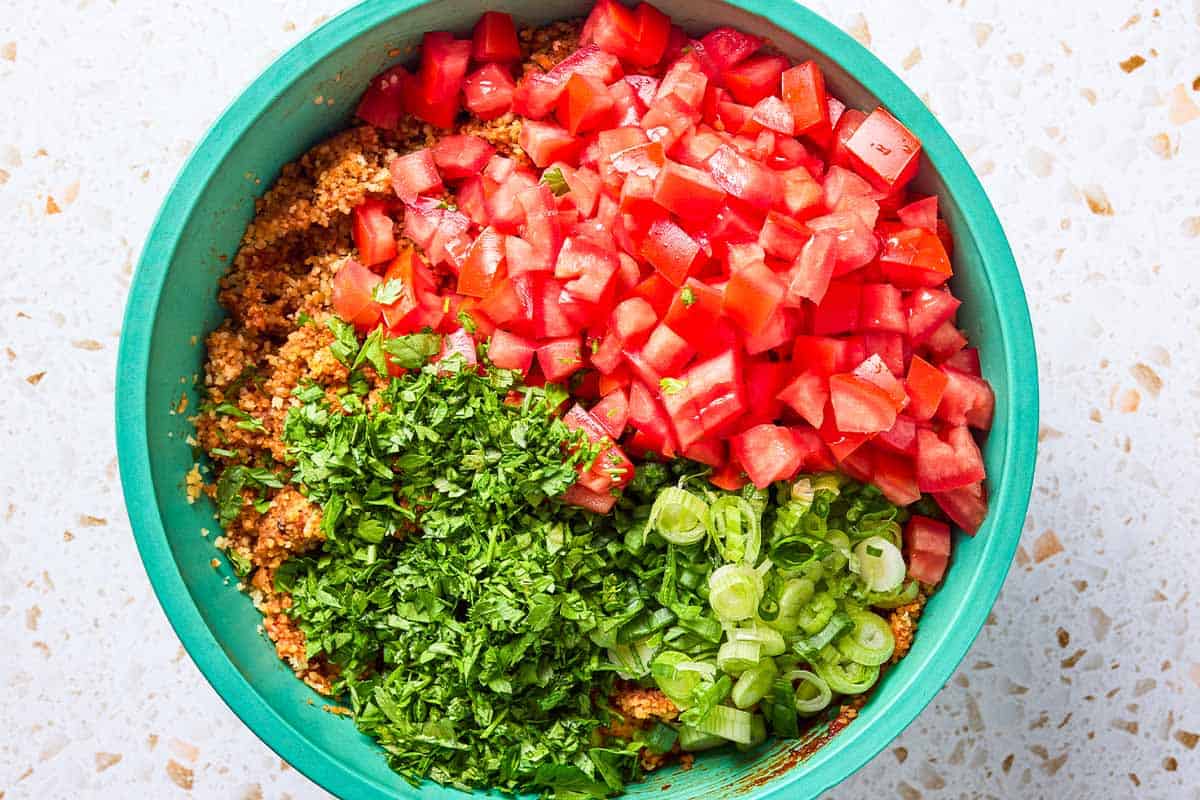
(478, 624)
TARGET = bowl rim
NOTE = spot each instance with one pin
(1003, 283)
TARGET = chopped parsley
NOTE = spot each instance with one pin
(244, 420)
(687, 296)
(388, 292)
(671, 386)
(557, 183)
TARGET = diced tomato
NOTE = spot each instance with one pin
(686, 81)
(928, 309)
(856, 243)
(511, 304)
(881, 308)
(668, 119)
(585, 104)
(921, 213)
(450, 242)
(810, 276)
(807, 395)
(353, 294)
(488, 91)
(495, 38)
(665, 351)
(458, 343)
(648, 417)
(967, 400)
(965, 360)
(925, 385)
(966, 506)
(472, 200)
(753, 79)
(656, 291)
(612, 412)
(687, 191)
(727, 47)
(860, 406)
(695, 310)
(538, 92)
(783, 237)
(716, 389)
(733, 117)
(752, 295)
(926, 548)
(484, 265)
(434, 95)
(744, 178)
(764, 380)
(841, 444)
(901, 438)
(374, 234)
(542, 229)
(461, 156)
(558, 358)
(884, 151)
(891, 347)
(839, 309)
(945, 341)
(415, 174)
(670, 250)
(768, 453)
(802, 196)
(596, 502)
(607, 355)
(707, 451)
(824, 355)
(589, 268)
(743, 254)
(773, 114)
(382, 104)
(913, 258)
(875, 371)
(510, 351)
(843, 129)
(613, 381)
(780, 329)
(803, 89)
(817, 457)
(632, 320)
(417, 299)
(947, 461)
(545, 142)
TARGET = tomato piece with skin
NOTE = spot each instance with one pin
(510, 351)
(859, 406)
(418, 303)
(751, 296)
(707, 451)
(901, 438)
(656, 291)
(817, 457)
(803, 89)
(382, 104)
(488, 91)
(511, 304)
(767, 453)
(596, 502)
(965, 360)
(648, 417)
(764, 381)
(607, 355)
(856, 244)
(715, 386)
(875, 371)
(665, 351)
(882, 309)
(434, 94)
(926, 548)
(884, 151)
(374, 232)
(485, 264)
(415, 174)
(838, 310)
(461, 156)
(928, 309)
(841, 444)
(779, 330)
(807, 394)
(668, 120)
(545, 142)
(495, 38)
(802, 196)
(913, 258)
(950, 460)
(773, 114)
(891, 347)
(687, 192)
(695, 310)
(727, 47)
(753, 79)
(670, 250)
(559, 358)
(967, 400)
(632, 320)
(783, 237)
(612, 412)
(966, 506)
(686, 81)
(825, 355)
(925, 385)
(744, 178)
(589, 268)
(353, 294)
(585, 104)
(843, 129)
(921, 213)
(458, 342)
(945, 341)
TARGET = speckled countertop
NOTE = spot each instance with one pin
(1081, 120)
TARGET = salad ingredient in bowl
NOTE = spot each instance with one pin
(597, 402)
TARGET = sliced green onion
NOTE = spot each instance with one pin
(770, 639)
(880, 564)
(728, 723)
(840, 557)
(827, 482)
(676, 683)
(803, 491)
(737, 528)
(737, 657)
(815, 614)
(869, 642)
(692, 739)
(812, 695)
(795, 593)
(646, 625)
(903, 594)
(661, 738)
(758, 732)
(812, 647)
(848, 677)
(754, 684)
(679, 516)
(734, 591)
(633, 660)
(781, 710)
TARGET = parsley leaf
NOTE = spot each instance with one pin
(345, 341)
(556, 181)
(245, 421)
(687, 296)
(413, 350)
(671, 386)
(388, 292)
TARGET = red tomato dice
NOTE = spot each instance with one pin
(925, 385)
(665, 351)
(488, 91)
(950, 460)
(753, 79)
(596, 502)
(434, 95)
(921, 213)
(461, 156)
(687, 191)
(881, 308)
(670, 250)
(783, 237)
(374, 234)
(928, 309)
(752, 296)
(860, 406)
(485, 264)
(884, 151)
(558, 358)
(768, 453)
(415, 174)
(926, 548)
(913, 258)
(803, 89)
(495, 38)
(382, 104)
(726, 47)
(510, 351)
(966, 506)
(807, 394)
(744, 178)
(967, 400)
(545, 142)
(773, 114)
(612, 412)
(353, 294)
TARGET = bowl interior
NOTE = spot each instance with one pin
(173, 305)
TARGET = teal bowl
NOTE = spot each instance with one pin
(173, 304)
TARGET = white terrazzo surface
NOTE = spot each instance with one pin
(1086, 683)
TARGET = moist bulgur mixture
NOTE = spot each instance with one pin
(277, 294)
